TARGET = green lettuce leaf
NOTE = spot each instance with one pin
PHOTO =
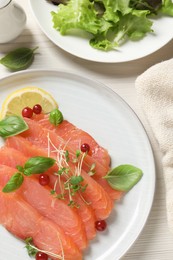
(167, 7)
(106, 23)
(102, 43)
(118, 5)
(134, 25)
(77, 14)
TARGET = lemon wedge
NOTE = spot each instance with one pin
(27, 97)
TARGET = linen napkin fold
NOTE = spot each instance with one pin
(155, 95)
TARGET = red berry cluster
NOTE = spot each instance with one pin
(28, 112)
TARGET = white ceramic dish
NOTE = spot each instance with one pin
(80, 47)
(102, 113)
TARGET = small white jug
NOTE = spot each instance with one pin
(12, 20)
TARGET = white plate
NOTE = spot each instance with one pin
(102, 113)
(80, 47)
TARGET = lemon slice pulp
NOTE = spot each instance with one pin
(27, 97)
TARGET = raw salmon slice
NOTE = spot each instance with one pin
(100, 170)
(96, 197)
(84, 210)
(9, 156)
(100, 202)
(76, 137)
(40, 138)
(23, 221)
(30, 150)
(41, 199)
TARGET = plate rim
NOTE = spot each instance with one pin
(104, 86)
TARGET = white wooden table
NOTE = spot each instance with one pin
(155, 242)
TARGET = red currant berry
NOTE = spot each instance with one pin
(85, 148)
(27, 112)
(100, 225)
(37, 109)
(41, 256)
(44, 179)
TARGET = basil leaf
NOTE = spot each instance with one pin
(18, 59)
(56, 117)
(20, 168)
(12, 125)
(123, 177)
(38, 164)
(14, 183)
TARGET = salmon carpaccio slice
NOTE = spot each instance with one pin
(69, 133)
(76, 137)
(95, 194)
(100, 172)
(41, 199)
(23, 221)
(84, 210)
(13, 156)
(29, 150)
(40, 138)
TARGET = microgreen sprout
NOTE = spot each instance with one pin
(29, 246)
(76, 159)
(69, 180)
(32, 250)
(67, 156)
(92, 169)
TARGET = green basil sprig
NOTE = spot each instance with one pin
(14, 183)
(38, 164)
(56, 117)
(34, 165)
(12, 125)
(124, 177)
(18, 59)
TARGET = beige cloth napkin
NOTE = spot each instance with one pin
(155, 95)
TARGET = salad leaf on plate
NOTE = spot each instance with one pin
(57, 2)
(151, 5)
(78, 14)
(109, 23)
(167, 7)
